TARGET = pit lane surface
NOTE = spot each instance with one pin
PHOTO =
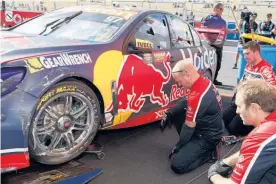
(140, 155)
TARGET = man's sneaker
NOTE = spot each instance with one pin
(217, 83)
(235, 66)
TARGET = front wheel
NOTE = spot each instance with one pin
(66, 120)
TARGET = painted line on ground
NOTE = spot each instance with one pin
(232, 52)
(226, 95)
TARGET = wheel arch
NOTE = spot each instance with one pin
(69, 78)
(91, 86)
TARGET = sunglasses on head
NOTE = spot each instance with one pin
(180, 71)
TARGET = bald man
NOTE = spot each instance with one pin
(197, 118)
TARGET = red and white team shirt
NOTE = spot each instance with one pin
(263, 70)
(257, 153)
(204, 107)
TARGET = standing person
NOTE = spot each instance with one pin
(256, 67)
(198, 120)
(256, 160)
(215, 21)
(266, 27)
(247, 25)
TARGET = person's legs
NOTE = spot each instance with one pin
(219, 58)
(192, 155)
(237, 128)
(237, 55)
(237, 59)
(228, 114)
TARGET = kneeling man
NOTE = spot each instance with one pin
(197, 118)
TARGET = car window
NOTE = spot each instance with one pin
(180, 33)
(197, 41)
(99, 26)
(153, 33)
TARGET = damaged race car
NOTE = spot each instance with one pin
(74, 71)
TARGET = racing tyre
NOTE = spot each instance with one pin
(208, 75)
(65, 122)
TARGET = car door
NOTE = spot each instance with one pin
(149, 72)
(183, 48)
(206, 60)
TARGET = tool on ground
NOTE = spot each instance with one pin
(229, 140)
(96, 148)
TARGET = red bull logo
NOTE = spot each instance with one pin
(138, 80)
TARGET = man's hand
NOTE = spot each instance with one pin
(173, 153)
(165, 121)
(219, 168)
(212, 171)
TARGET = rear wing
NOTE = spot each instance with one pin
(220, 34)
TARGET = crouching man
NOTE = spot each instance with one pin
(256, 160)
(198, 120)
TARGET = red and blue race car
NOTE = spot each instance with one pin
(74, 71)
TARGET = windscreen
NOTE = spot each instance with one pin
(94, 25)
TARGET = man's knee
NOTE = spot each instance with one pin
(179, 168)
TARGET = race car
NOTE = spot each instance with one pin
(77, 70)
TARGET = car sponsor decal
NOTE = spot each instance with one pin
(144, 44)
(113, 19)
(177, 92)
(131, 90)
(103, 77)
(45, 62)
(159, 56)
(205, 61)
(34, 65)
(54, 92)
(159, 114)
(148, 58)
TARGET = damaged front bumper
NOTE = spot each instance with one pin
(17, 109)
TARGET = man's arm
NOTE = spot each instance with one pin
(205, 21)
(215, 173)
(232, 160)
(186, 133)
(268, 75)
(218, 179)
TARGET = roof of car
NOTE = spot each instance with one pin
(102, 8)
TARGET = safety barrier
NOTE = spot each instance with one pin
(268, 52)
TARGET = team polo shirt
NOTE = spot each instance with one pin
(215, 22)
(204, 106)
(257, 153)
(263, 70)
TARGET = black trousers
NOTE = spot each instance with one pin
(233, 122)
(219, 58)
(192, 155)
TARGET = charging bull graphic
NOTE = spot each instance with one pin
(138, 80)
